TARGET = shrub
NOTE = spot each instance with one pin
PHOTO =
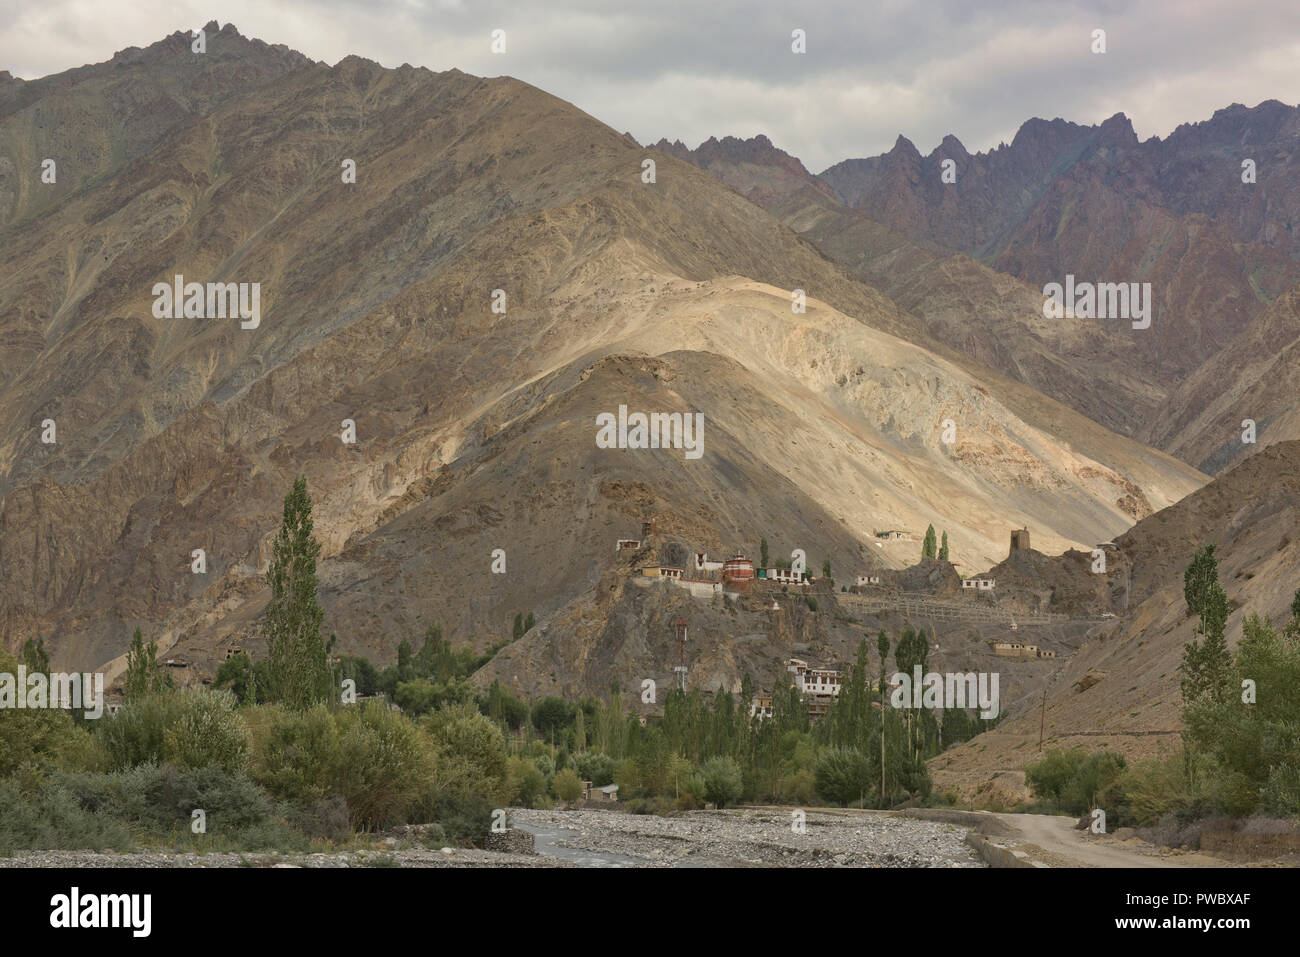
(470, 753)
(28, 735)
(327, 819)
(596, 767)
(720, 781)
(1074, 780)
(134, 736)
(300, 755)
(53, 819)
(526, 782)
(206, 731)
(382, 765)
(464, 818)
(842, 775)
(566, 786)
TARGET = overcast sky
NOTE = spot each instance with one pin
(691, 69)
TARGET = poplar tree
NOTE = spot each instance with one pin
(142, 677)
(1207, 662)
(943, 548)
(882, 645)
(929, 546)
(298, 668)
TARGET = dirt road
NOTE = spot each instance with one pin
(1053, 840)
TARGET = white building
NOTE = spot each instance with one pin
(982, 584)
(783, 575)
(814, 681)
(867, 580)
(702, 563)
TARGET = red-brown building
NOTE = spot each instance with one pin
(737, 568)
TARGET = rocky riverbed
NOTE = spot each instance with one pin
(752, 837)
(744, 837)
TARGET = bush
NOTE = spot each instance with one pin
(720, 781)
(842, 775)
(566, 786)
(300, 756)
(134, 736)
(327, 819)
(206, 731)
(464, 818)
(382, 765)
(53, 819)
(28, 735)
(597, 768)
(470, 753)
(91, 810)
(1075, 780)
(526, 782)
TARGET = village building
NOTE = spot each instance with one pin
(761, 707)
(819, 686)
(702, 563)
(627, 544)
(980, 584)
(783, 576)
(699, 587)
(607, 793)
(1016, 649)
(1019, 539)
(867, 580)
(892, 533)
(661, 571)
(737, 568)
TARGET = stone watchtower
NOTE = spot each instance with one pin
(1019, 539)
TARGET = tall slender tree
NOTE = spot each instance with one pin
(943, 548)
(882, 645)
(298, 668)
(929, 547)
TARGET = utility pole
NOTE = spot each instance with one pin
(1042, 722)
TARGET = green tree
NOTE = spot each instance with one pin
(206, 731)
(551, 715)
(580, 731)
(519, 626)
(720, 781)
(299, 670)
(1199, 579)
(882, 646)
(842, 776)
(236, 675)
(826, 568)
(943, 548)
(1207, 662)
(529, 622)
(566, 786)
(36, 658)
(929, 546)
(142, 675)
(762, 553)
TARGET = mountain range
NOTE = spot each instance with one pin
(867, 348)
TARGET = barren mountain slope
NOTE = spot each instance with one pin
(1120, 690)
(1068, 199)
(1091, 365)
(178, 434)
(1257, 378)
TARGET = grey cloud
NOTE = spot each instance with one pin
(690, 70)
